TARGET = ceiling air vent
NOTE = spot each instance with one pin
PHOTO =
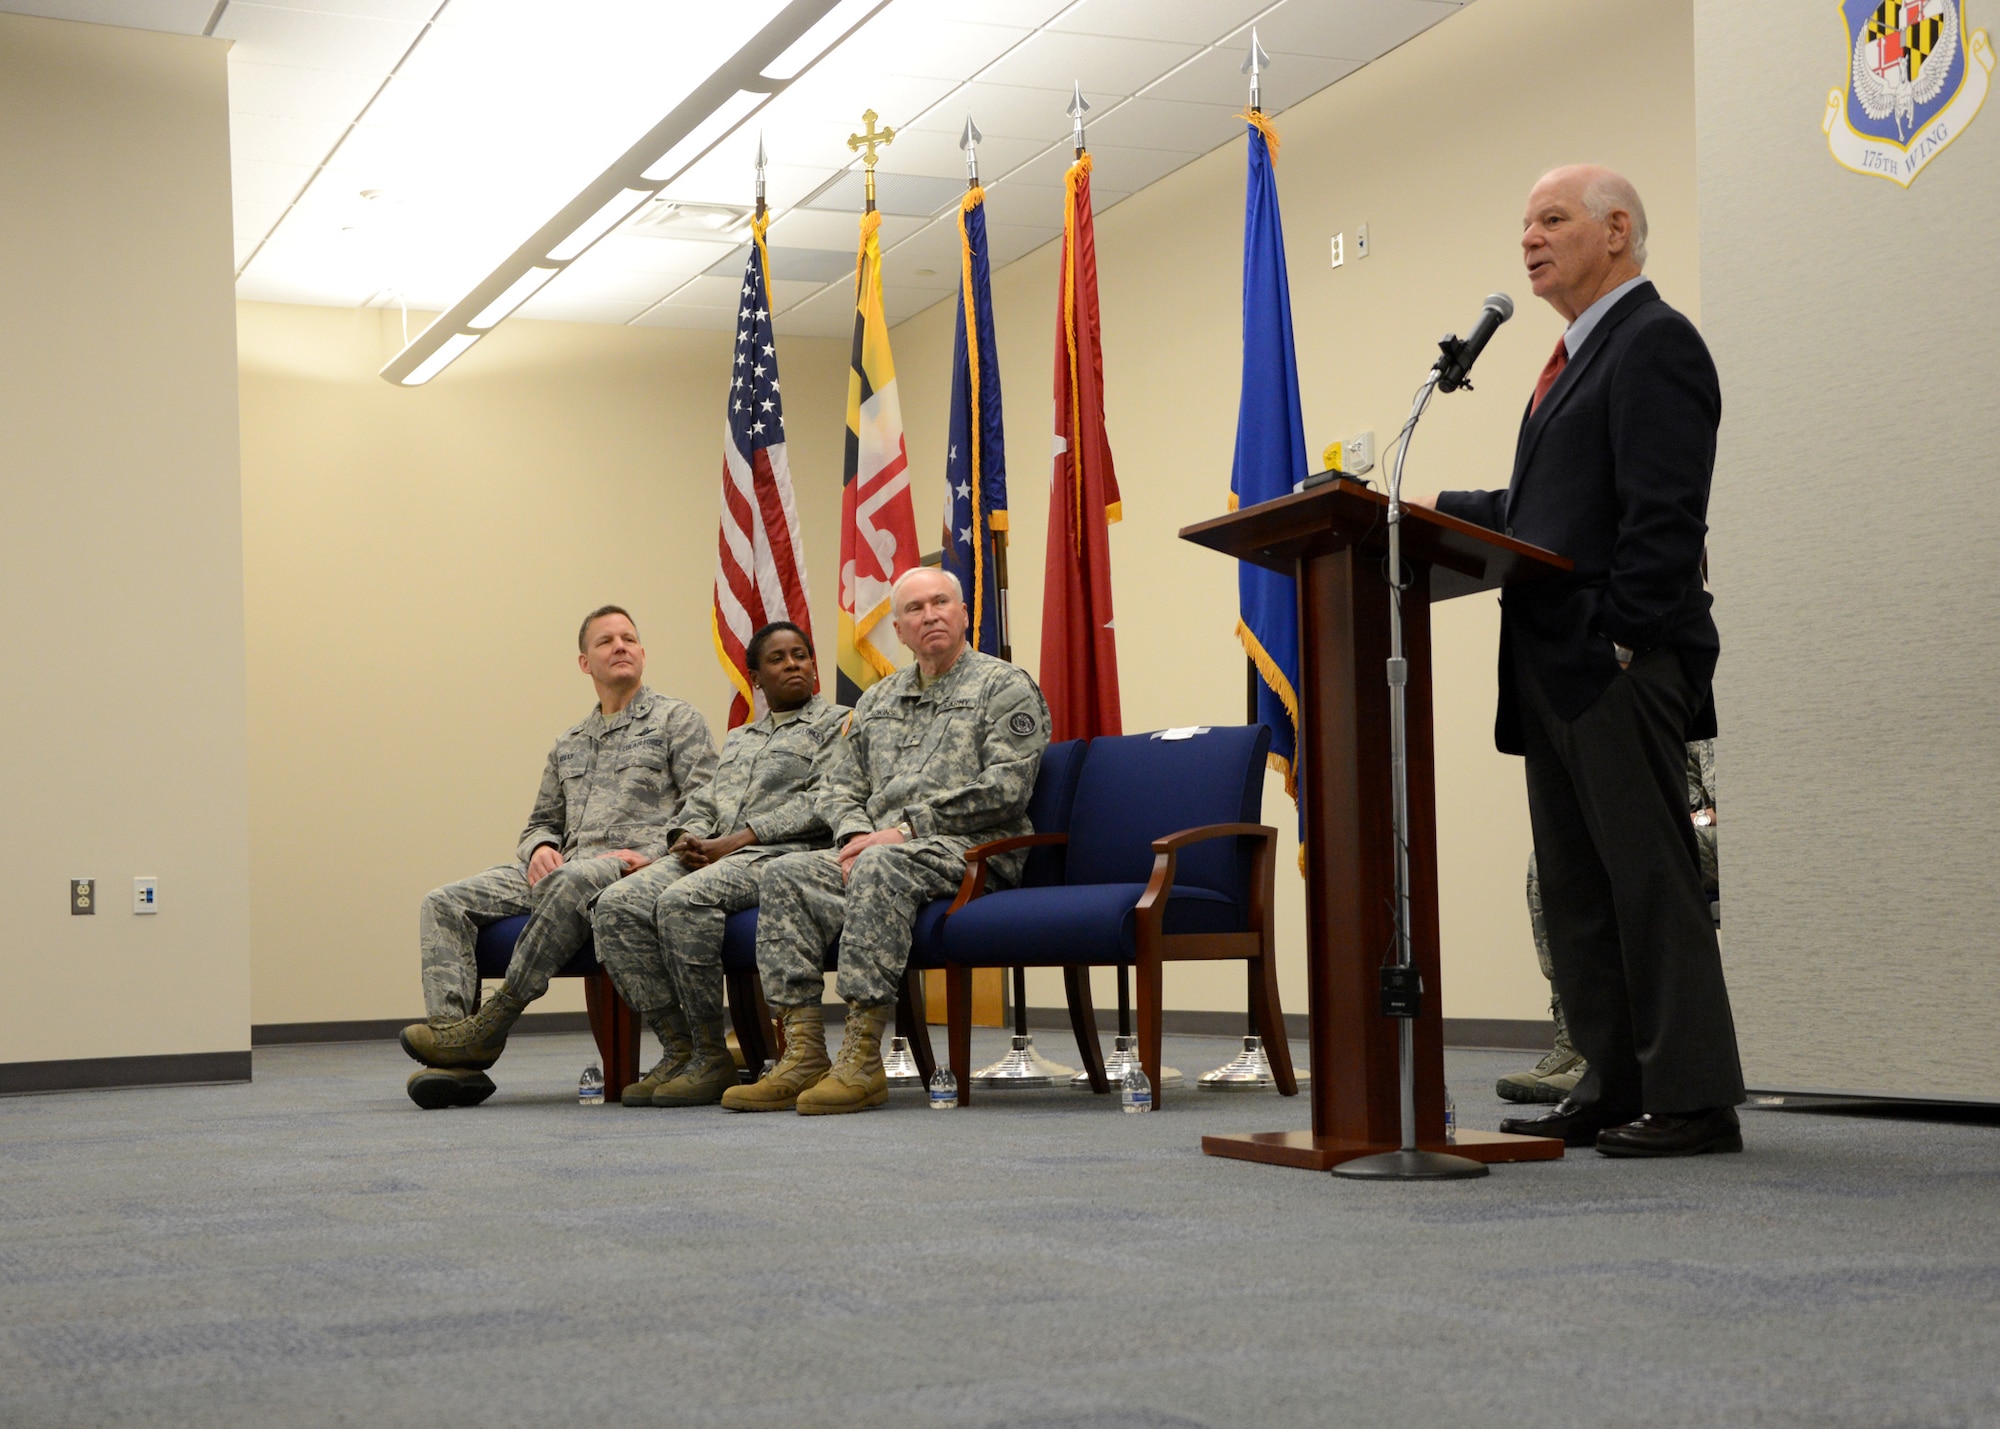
(910, 195)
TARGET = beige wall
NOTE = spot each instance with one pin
(121, 706)
(416, 564)
(1853, 323)
(1434, 147)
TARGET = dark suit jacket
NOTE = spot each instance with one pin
(1612, 471)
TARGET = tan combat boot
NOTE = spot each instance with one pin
(857, 1081)
(671, 1027)
(474, 1041)
(803, 1064)
(705, 1076)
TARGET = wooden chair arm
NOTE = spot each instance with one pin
(1152, 904)
(974, 882)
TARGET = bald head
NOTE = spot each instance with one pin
(1584, 234)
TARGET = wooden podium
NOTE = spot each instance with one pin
(1333, 540)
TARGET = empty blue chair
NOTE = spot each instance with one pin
(1163, 861)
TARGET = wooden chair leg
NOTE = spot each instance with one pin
(616, 1029)
(746, 1017)
(958, 1018)
(912, 1024)
(1270, 1016)
(1083, 1022)
(1147, 975)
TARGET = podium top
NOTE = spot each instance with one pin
(1463, 558)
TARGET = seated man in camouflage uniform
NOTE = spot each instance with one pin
(659, 932)
(1556, 1075)
(936, 758)
(609, 795)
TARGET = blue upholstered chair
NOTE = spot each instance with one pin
(1164, 861)
(1048, 811)
(612, 1023)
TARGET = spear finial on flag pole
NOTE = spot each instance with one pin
(969, 141)
(760, 175)
(1078, 107)
(869, 140)
(1253, 65)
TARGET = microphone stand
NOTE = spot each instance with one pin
(1401, 988)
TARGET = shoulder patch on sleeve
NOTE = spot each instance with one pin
(1021, 723)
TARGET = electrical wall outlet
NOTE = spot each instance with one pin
(1339, 249)
(1361, 241)
(145, 895)
(82, 896)
(1357, 454)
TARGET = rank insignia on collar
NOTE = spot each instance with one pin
(1916, 76)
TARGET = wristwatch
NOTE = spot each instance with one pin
(1624, 654)
(905, 830)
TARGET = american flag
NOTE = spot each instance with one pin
(760, 571)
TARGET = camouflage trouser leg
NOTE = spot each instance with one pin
(805, 907)
(1562, 1043)
(559, 922)
(628, 939)
(691, 917)
(448, 927)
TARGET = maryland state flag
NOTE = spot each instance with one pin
(975, 520)
(1270, 452)
(1079, 647)
(878, 527)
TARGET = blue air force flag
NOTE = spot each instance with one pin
(1270, 453)
(975, 511)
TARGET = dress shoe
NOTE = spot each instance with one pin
(1575, 1124)
(1674, 1134)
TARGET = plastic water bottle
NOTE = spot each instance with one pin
(590, 1086)
(1450, 1117)
(1136, 1094)
(944, 1090)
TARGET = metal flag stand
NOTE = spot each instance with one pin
(1402, 989)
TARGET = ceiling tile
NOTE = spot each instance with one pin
(1025, 205)
(786, 294)
(906, 303)
(254, 220)
(1007, 110)
(601, 283)
(810, 228)
(1200, 22)
(310, 39)
(1012, 240)
(173, 17)
(269, 139)
(256, 182)
(1146, 123)
(643, 253)
(375, 9)
(708, 291)
(994, 12)
(936, 152)
(298, 93)
(705, 319)
(1215, 79)
(551, 305)
(921, 42)
(1102, 64)
(1349, 29)
(1112, 167)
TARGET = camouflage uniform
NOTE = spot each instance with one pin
(1701, 795)
(659, 932)
(609, 784)
(956, 762)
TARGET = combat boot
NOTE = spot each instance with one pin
(435, 1088)
(801, 1068)
(671, 1027)
(475, 1042)
(1548, 1081)
(857, 1081)
(709, 1073)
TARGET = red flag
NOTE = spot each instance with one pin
(1079, 646)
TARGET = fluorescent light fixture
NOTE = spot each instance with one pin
(524, 288)
(832, 28)
(789, 44)
(446, 354)
(615, 211)
(705, 136)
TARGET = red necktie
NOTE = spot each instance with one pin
(1558, 360)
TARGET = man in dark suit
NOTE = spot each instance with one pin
(1605, 675)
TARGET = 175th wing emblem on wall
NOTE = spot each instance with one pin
(1916, 77)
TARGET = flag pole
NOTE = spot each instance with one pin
(1250, 1069)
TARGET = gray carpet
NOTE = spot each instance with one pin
(312, 1249)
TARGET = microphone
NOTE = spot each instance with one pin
(1456, 358)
